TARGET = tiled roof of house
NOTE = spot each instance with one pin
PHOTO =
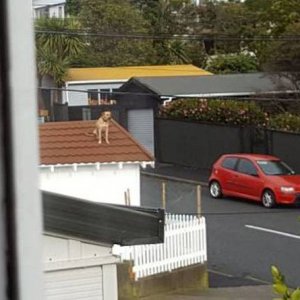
(124, 73)
(73, 142)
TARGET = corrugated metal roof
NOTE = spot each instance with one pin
(124, 73)
(73, 142)
(212, 86)
(103, 223)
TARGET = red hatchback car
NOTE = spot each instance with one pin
(257, 177)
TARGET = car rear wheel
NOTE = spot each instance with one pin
(215, 189)
(268, 199)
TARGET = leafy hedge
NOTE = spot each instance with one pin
(217, 111)
(285, 122)
(231, 112)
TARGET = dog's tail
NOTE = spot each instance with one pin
(90, 133)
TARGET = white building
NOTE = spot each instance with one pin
(48, 8)
(96, 84)
(78, 240)
(74, 164)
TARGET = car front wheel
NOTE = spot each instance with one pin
(268, 199)
(215, 189)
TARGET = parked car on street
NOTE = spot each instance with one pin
(257, 177)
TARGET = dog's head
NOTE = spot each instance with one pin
(106, 115)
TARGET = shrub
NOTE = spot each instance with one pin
(217, 111)
(232, 63)
(286, 122)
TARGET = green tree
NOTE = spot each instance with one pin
(284, 59)
(73, 7)
(232, 63)
(276, 14)
(271, 19)
(54, 49)
(170, 18)
(112, 21)
(232, 19)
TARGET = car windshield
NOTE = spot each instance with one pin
(275, 167)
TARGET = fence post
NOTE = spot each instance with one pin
(163, 195)
(125, 198)
(128, 197)
(199, 204)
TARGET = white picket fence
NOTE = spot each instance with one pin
(184, 245)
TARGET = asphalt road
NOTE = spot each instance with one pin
(244, 238)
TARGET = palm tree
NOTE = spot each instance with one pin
(56, 47)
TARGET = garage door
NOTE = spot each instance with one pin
(140, 125)
(74, 284)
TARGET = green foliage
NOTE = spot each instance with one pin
(217, 111)
(286, 122)
(56, 51)
(48, 63)
(272, 18)
(232, 63)
(284, 58)
(281, 288)
(274, 15)
(231, 112)
(73, 7)
(171, 17)
(161, 18)
(114, 18)
(234, 20)
(62, 44)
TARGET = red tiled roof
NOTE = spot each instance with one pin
(72, 142)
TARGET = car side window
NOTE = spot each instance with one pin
(245, 166)
(229, 163)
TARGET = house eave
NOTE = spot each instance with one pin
(98, 165)
(94, 81)
(81, 263)
(233, 94)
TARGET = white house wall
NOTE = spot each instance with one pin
(58, 249)
(75, 284)
(57, 11)
(81, 98)
(76, 269)
(51, 11)
(106, 185)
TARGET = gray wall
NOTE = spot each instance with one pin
(287, 147)
(194, 145)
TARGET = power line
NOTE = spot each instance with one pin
(99, 92)
(182, 37)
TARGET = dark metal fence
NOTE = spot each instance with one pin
(287, 147)
(198, 145)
